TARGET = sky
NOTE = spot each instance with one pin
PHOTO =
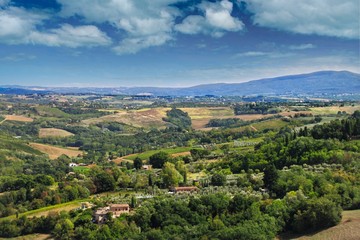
(173, 43)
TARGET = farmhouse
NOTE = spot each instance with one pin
(116, 210)
(184, 189)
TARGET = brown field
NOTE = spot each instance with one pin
(200, 116)
(292, 113)
(53, 132)
(123, 159)
(35, 236)
(55, 152)
(199, 124)
(208, 112)
(18, 118)
(147, 118)
(181, 154)
(335, 109)
(348, 229)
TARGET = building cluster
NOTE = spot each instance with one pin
(115, 210)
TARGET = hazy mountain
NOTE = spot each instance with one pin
(330, 82)
(324, 82)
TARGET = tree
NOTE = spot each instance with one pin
(225, 148)
(138, 163)
(318, 214)
(270, 176)
(64, 229)
(180, 166)
(218, 179)
(158, 160)
(170, 176)
(179, 118)
(104, 182)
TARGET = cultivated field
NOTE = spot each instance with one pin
(68, 206)
(18, 118)
(348, 229)
(35, 236)
(53, 132)
(335, 109)
(172, 151)
(147, 118)
(55, 152)
(200, 116)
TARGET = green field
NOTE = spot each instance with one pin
(51, 112)
(45, 210)
(147, 154)
(13, 144)
(81, 169)
(348, 228)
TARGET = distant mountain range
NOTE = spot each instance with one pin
(317, 83)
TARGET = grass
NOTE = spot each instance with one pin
(51, 112)
(81, 169)
(334, 110)
(208, 112)
(12, 144)
(143, 118)
(18, 118)
(34, 236)
(45, 210)
(53, 132)
(274, 124)
(55, 152)
(348, 228)
(146, 155)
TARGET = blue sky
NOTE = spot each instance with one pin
(173, 42)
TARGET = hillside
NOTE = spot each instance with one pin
(316, 83)
(330, 82)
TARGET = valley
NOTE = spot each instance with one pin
(266, 163)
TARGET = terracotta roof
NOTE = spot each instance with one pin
(120, 205)
(186, 188)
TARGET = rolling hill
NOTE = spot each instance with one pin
(316, 83)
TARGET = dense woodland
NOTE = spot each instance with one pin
(298, 177)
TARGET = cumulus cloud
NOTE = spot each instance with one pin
(142, 23)
(4, 2)
(302, 46)
(216, 21)
(71, 36)
(19, 26)
(133, 45)
(321, 17)
(16, 24)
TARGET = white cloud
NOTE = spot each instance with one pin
(216, 21)
(133, 45)
(140, 24)
(321, 17)
(18, 57)
(143, 23)
(4, 2)
(16, 24)
(19, 26)
(274, 54)
(302, 46)
(70, 36)
(252, 54)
